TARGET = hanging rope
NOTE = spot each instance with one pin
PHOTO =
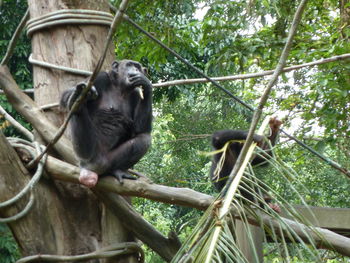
(34, 150)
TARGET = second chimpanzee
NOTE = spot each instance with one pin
(111, 129)
(219, 175)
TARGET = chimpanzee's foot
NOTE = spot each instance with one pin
(120, 175)
(88, 178)
(275, 207)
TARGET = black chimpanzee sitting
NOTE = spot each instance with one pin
(219, 175)
(111, 129)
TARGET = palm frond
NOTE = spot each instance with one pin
(218, 236)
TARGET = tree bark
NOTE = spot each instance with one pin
(66, 219)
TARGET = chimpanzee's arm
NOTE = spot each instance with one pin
(65, 98)
(220, 138)
(82, 130)
(69, 96)
(143, 107)
(84, 136)
(275, 125)
(143, 113)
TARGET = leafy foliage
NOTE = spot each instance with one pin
(11, 13)
(8, 248)
(226, 38)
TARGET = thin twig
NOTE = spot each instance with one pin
(222, 78)
(251, 75)
(14, 39)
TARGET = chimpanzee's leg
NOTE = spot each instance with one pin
(126, 155)
(87, 177)
(85, 145)
(84, 135)
(83, 132)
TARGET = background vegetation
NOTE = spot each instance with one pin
(226, 38)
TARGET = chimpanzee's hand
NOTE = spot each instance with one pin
(275, 124)
(92, 94)
(139, 80)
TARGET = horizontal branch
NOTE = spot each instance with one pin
(240, 76)
(179, 196)
(323, 238)
(134, 222)
(190, 198)
(251, 75)
(141, 188)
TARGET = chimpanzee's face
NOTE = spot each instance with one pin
(127, 70)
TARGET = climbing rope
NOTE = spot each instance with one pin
(58, 67)
(68, 17)
(34, 149)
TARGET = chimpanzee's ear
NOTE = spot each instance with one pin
(115, 64)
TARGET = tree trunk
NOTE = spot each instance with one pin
(66, 219)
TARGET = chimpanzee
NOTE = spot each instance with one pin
(219, 175)
(111, 129)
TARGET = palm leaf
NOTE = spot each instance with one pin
(216, 237)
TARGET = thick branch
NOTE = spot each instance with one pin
(322, 238)
(133, 221)
(181, 196)
(32, 113)
(105, 188)
(140, 188)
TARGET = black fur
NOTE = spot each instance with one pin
(220, 138)
(111, 129)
